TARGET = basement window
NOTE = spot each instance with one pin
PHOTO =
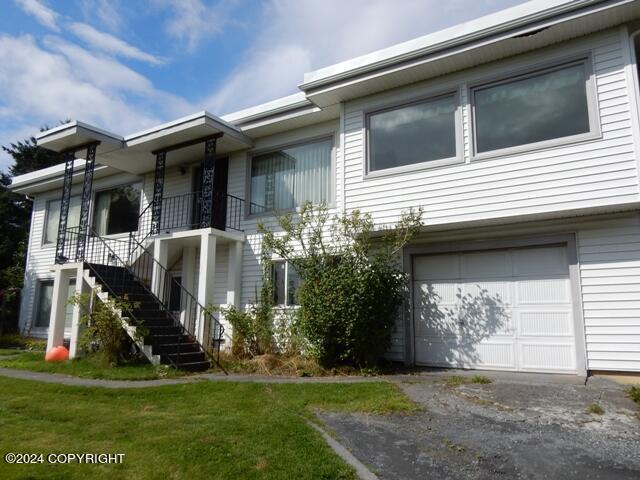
(285, 283)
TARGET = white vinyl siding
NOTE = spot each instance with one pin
(596, 173)
(609, 257)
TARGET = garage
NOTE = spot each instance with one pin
(505, 309)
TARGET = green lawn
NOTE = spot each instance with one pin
(199, 430)
(88, 367)
(9, 351)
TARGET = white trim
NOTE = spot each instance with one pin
(632, 78)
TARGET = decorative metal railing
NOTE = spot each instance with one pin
(134, 259)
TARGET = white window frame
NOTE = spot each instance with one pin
(44, 242)
(331, 202)
(286, 285)
(594, 132)
(426, 165)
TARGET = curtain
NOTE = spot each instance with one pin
(101, 212)
(287, 178)
(53, 217)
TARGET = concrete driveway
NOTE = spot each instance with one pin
(518, 426)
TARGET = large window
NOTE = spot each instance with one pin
(417, 133)
(117, 210)
(43, 303)
(544, 106)
(287, 178)
(285, 284)
(53, 218)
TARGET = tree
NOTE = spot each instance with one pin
(351, 284)
(15, 220)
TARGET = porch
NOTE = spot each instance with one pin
(185, 252)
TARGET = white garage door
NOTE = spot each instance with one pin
(499, 309)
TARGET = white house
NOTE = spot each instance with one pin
(518, 133)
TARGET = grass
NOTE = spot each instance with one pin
(457, 380)
(204, 429)
(595, 409)
(88, 367)
(9, 351)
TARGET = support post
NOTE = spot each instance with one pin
(81, 288)
(158, 187)
(206, 278)
(69, 158)
(87, 188)
(234, 274)
(188, 278)
(161, 256)
(208, 165)
(58, 308)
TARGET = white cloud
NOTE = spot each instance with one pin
(43, 14)
(106, 11)
(110, 44)
(44, 85)
(301, 35)
(192, 21)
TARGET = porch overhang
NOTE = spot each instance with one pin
(76, 135)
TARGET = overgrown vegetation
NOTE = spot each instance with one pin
(596, 409)
(351, 284)
(220, 430)
(16, 341)
(103, 334)
(456, 380)
(634, 394)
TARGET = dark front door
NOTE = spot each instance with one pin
(219, 199)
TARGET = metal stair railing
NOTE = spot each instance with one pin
(110, 252)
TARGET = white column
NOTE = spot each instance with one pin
(81, 288)
(234, 272)
(188, 274)
(206, 275)
(161, 256)
(58, 308)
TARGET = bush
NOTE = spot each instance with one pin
(252, 330)
(351, 286)
(103, 332)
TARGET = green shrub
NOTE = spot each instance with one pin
(102, 330)
(351, 286)
(252, 330)
(595, 409)
(634, 393)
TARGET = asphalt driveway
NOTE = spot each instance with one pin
(515, 427)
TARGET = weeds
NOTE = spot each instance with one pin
(595, 409)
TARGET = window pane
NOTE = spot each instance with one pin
(293, 281)
(287, 178)
(413, 134)
(278, 283)
(117, 210)
(53, 218)
(542, 107)
(43, 312)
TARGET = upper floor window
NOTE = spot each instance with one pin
(411, 134)
(117, 210)
(533, 108)
(289, 177)
(53, 218)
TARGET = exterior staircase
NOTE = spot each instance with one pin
(164, 341)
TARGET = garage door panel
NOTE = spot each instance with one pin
(486, 264)
(435, 267)
(545, 323)
(547, 356)
(543, 291)
(491, 354)
(540, 261)
(428, 293)
(501, 309)
(441, 352)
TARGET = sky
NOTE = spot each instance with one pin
(126, 65)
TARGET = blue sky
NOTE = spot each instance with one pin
(125, 65)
